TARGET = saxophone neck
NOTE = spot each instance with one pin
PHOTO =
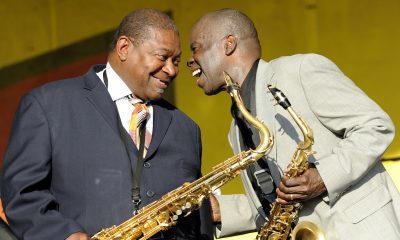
(266, 140)
(305, 129)
(283, 101)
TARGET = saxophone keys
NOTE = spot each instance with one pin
(178, 212)
(150, 224)
(188, 205)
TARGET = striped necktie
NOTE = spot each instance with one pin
(140, 116)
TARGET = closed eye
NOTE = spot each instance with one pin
(177, 61)
(162, 57)
(194, 47)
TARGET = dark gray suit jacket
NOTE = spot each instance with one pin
(66, 168)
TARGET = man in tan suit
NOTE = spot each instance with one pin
(347, 191)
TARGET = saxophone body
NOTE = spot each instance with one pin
(164, 213)
(283, 217)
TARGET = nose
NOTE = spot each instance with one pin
(190, 62)
(170, 68)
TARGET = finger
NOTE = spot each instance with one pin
(287, 199)
(291, 197)
(281, 201)
(290, 189)
(291, 183)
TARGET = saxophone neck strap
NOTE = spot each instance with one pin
(139, 167)
(136, 199)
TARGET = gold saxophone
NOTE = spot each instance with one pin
(164, 213)
(282, 217)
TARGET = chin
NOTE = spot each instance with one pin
(155, 98)
(212, 92)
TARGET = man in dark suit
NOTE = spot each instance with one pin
(71, 163)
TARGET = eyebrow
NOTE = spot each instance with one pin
(169, 51)
(164, 49)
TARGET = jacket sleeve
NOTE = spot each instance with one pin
(238, 211)
(236, 215)
(30, 207)
(365, 130)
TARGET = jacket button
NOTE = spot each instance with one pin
(146, 164)
(150, 193)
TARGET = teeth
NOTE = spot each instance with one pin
(196, 72)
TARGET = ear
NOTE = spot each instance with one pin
(122, 47)
(230, 44)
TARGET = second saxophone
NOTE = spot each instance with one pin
(283, 217)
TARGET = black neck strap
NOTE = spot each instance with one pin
(140, 160)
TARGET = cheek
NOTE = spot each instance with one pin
(214, 66)
(214, 57)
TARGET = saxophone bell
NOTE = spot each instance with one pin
(307, 230)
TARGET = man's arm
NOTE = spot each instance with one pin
(31, 209)
(366, 130)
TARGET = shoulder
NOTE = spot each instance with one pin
(63, 84)
(299, 58)
(302, 63)
(66, 88)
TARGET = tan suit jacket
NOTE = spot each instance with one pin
(351, 133)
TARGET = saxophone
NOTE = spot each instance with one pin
(164, 213)
(283, 217)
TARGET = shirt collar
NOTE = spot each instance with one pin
(250, 78)
(116, 86)
(248, 84)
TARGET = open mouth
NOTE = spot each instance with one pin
(197, 72)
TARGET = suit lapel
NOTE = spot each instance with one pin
(266, 111)
(100, 98)
(161, 122)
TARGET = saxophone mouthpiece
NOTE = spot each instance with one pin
(230, 84)
(279, 97)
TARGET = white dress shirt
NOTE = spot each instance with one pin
(120, 93)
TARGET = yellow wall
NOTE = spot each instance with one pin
(360, 36)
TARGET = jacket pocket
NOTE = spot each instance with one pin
(371, 203)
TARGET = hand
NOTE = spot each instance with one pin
(302, 188)
(78, 236)
(216, 213)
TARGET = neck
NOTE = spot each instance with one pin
(241, 69)
(116, 65)
(243, 60)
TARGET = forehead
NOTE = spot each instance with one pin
(207, 29)
(161, 38)
(200, 32)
